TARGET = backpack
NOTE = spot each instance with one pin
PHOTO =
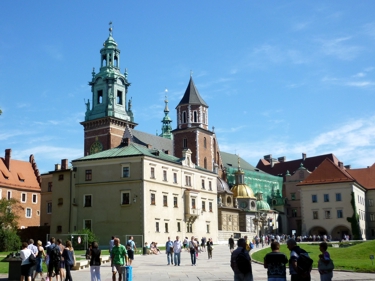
(56, 254)
(243, 262)
(304, 263)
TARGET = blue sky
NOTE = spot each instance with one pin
(280, 77)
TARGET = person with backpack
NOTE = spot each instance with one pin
(300, 264)
(54, 260)
(131, 248)
(240, 262)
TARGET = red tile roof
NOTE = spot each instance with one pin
(327, 172)
(364, 176)
(280, 168)
(21, 175)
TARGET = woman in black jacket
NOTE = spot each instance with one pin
(95, 262)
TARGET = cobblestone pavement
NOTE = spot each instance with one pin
(155, 268)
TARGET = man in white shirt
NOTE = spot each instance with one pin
(177, 247)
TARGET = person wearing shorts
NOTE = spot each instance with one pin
(131, 248)
(119, 257)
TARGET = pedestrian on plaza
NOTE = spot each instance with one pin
(210, 247)
(25, 263)
(95, 262)
(324, 260)
(34, 250)
(111, 245)
(39, 260)
(131, 248)
(169, 251)
(62, 260)
(54, 260)
(231, 243)
(68, 255)
(275, 263)
(241, 250)
(119, 257)
(295, 252)
(177, 248)
(186, 244)
(203, 244)
(193, 247)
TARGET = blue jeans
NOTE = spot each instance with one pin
(169, 257)
(177, 258)
(193, 257)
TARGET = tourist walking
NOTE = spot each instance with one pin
(275, 263)
(193, 247)
(231, 243)
(25, 264)
(210, 247)
(68, 255)
(39, 260)
(131, 248)
(325, 264)
(240, 262)
(119, 257)
(169, 251)
(95, 262)
(177, 248)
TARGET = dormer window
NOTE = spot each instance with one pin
(21, 177)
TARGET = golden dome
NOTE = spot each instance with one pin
(242, 191)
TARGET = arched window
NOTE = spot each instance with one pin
(204, 142)
(184, 117)
(229, 201)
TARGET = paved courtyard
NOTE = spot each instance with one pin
(155, 268)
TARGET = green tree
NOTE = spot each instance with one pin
(9, 210)
(354, 220)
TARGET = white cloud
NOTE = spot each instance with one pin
(340, 48)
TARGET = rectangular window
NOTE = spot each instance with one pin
(35, 198)
(23, 197)
(209, 185)
(372, 217)
(208, 228)
(166, 227)
(314, 198)
(178, 227)
(9, 195)
(203, 184)
(60, 201)
(210, 207)
(157, 226)
(339, 214)
(152, 172)
(372, 232)
(87, 224)
(59, 229)
(100, 97)
(152, 198)
(164, 175)
(188, 180)
(326, 197)
(165, 200)
(189, 228)
(125, 198)
(315, 215)
(327, 214)
(193, 203)
(87, 201)
(184, 145)
(293, 196)
(125, 172)
(174, 177)
(371, 202)
(175, 202)
(119, 97)
(294, 213)
(203, 206)
(88, 175)
(49, 189)
(49, 207)
(61, 177)
(28, 213)
(338, 196)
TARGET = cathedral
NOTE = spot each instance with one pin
(131, 182)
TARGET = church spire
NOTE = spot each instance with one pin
(166, 129)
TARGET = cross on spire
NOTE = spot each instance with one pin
(110, 28)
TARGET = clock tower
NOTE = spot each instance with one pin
(110, 111)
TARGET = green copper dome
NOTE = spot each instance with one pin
(261, 205)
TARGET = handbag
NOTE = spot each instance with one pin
(32, 259)
(322, 266)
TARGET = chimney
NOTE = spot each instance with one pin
(268, 157)
(341, 165)
(57, 167)
(348, 167)
(281, 159)
(272, 161)
(64, 164)
(8, 154)
(303, 156)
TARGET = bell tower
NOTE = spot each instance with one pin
(108, 114)
(192, 131)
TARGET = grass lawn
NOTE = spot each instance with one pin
(353, 258)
